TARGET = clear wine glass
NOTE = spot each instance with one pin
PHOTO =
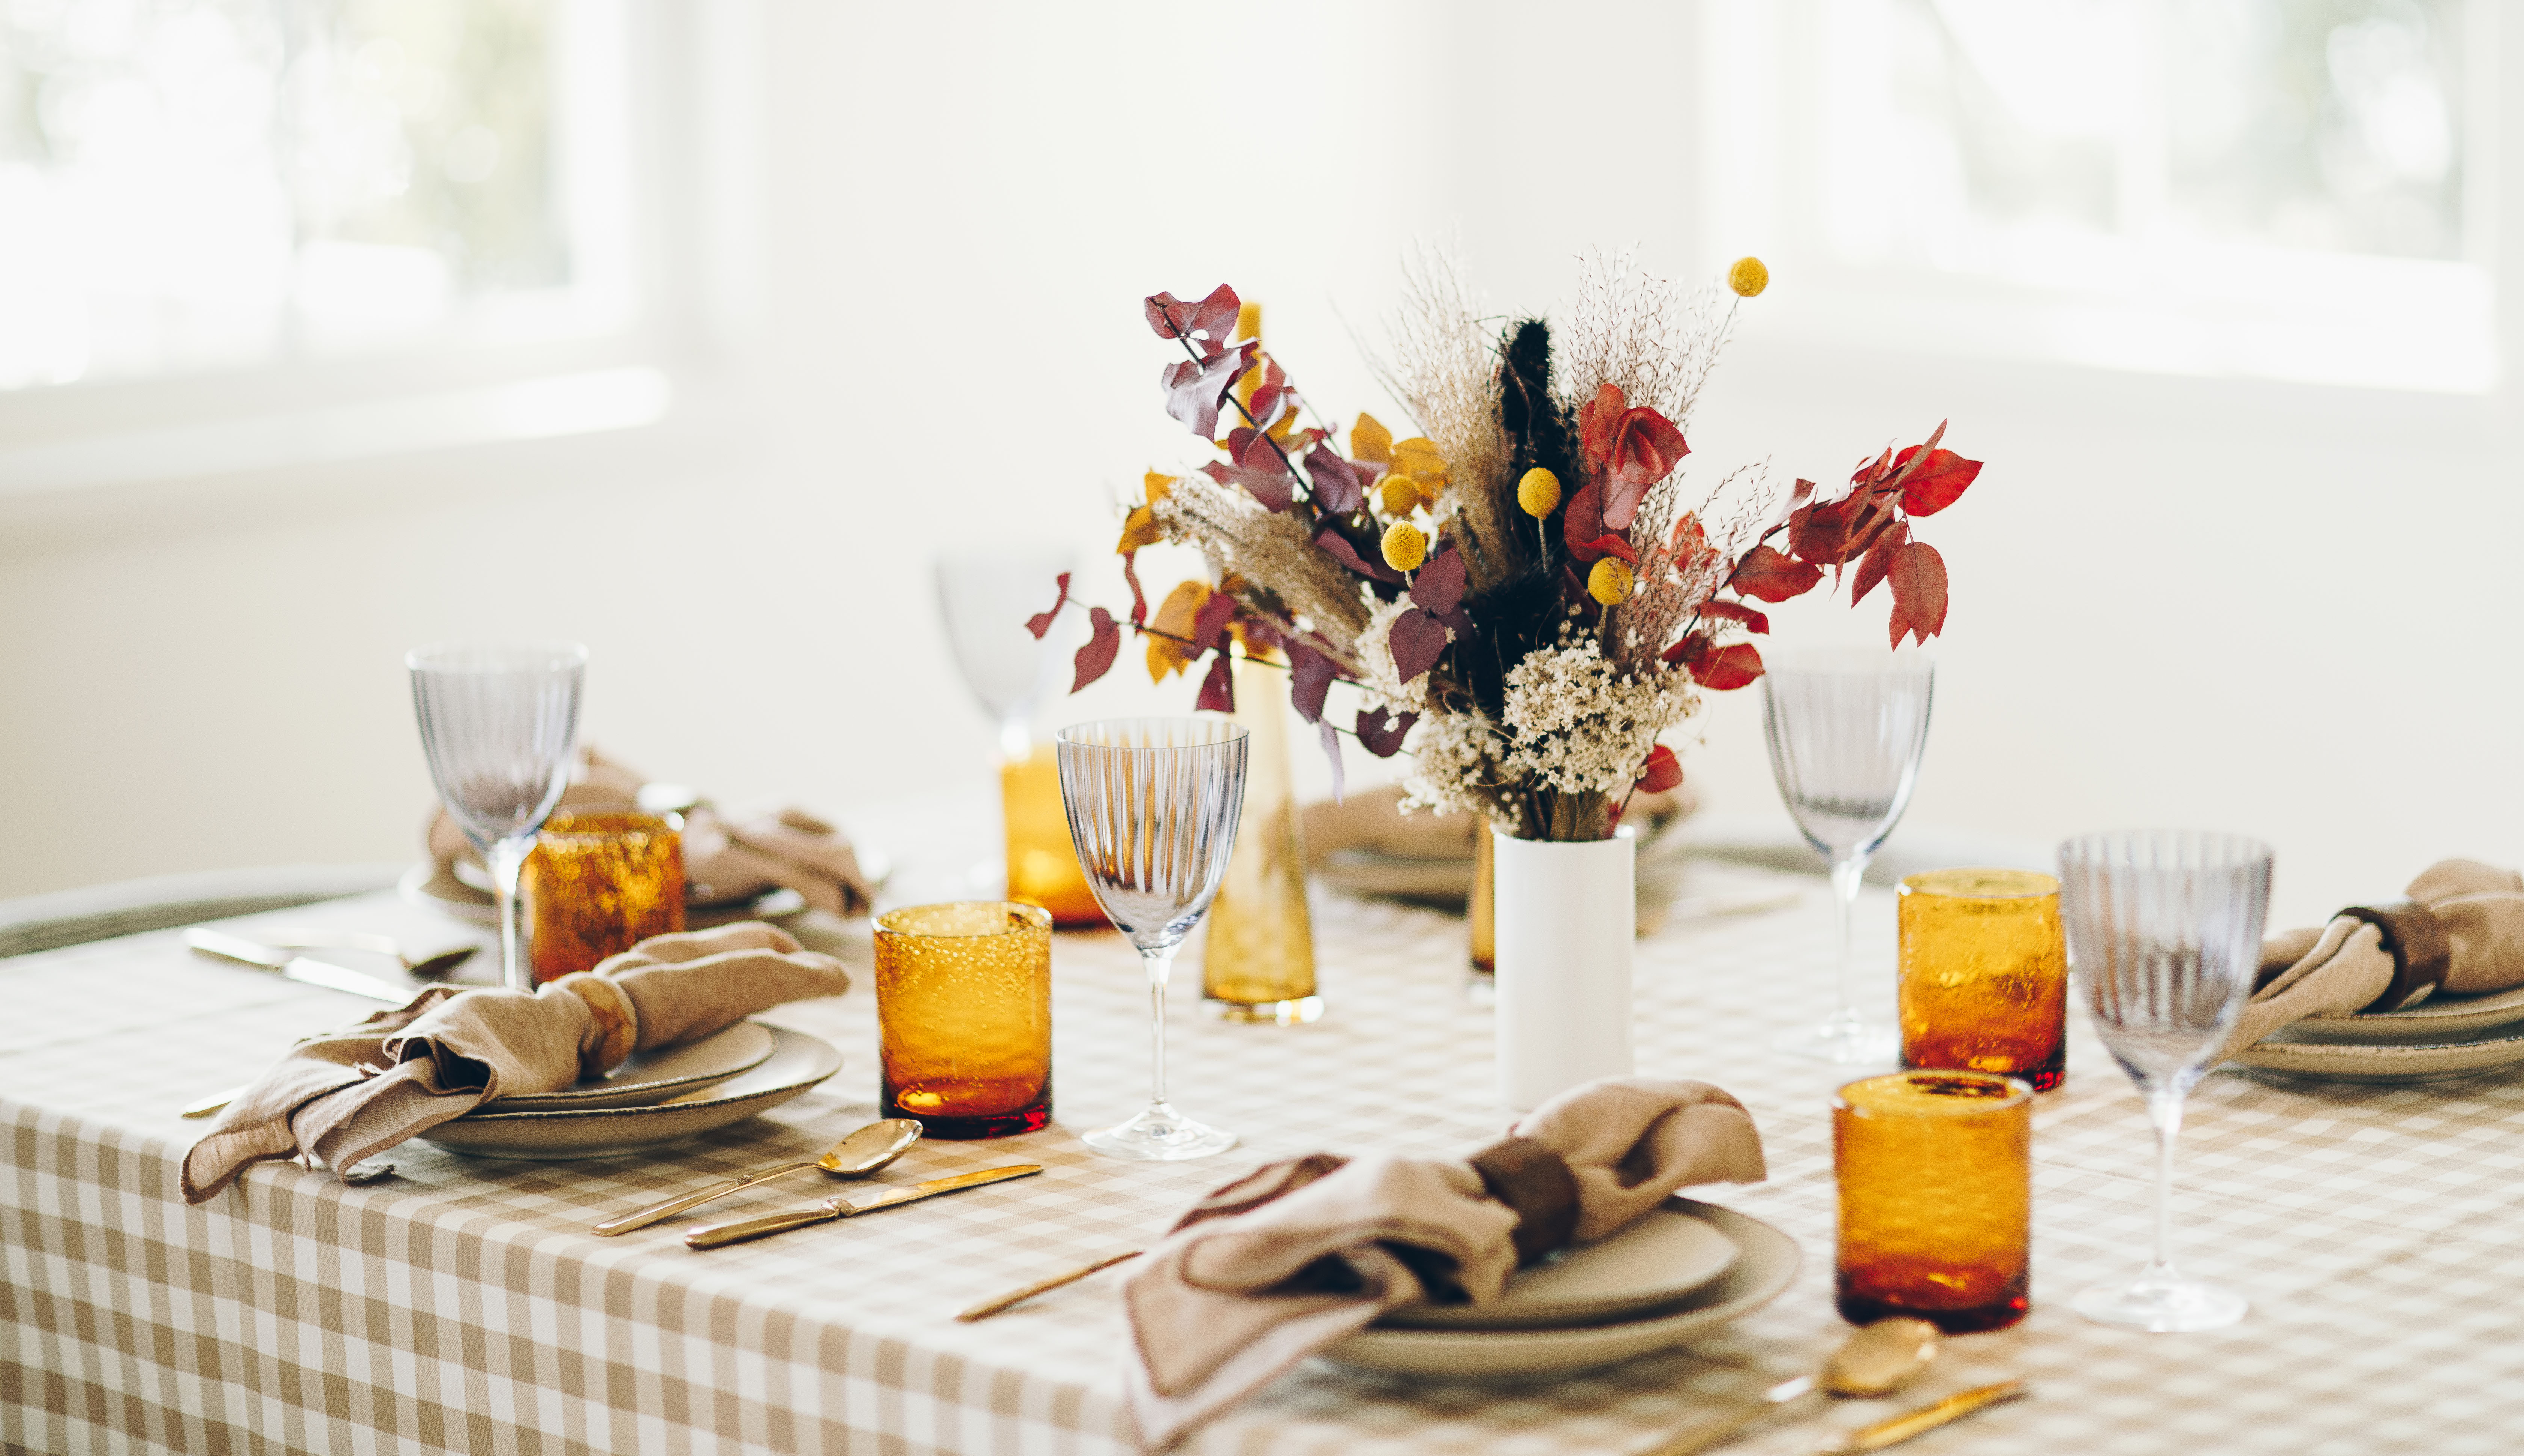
(498, 721)
(1153, 807)
(2164, 935)
(984, 599)
(1846, 728)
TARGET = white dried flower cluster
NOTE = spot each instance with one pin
(1580, 724)
(1457, 767)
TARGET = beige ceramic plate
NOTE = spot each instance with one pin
(427, 886)
(2344, 1062)
(1766, 1264)
(669, 1072)
(797, 1065)
(2436, 1019)
(1656, 1263)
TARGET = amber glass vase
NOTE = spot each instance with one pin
(601, 879)
(1935, 1178)
(1043, 863)
(1259, 964)
(1984, 983)
(963, 1010)
(1480, 914)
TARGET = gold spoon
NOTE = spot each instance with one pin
(1876, 1360)
(855, 1156)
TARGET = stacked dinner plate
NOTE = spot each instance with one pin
(2441, 1038)
(655, 1097)
(1680, 1272)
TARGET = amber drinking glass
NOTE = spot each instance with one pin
(1043, 863)
(601, 879)
(1935, 1172)
(963, 1010)
(1984, 974)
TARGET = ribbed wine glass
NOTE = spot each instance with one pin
(497, 721)
(1153, 807)
(2165, 930)
(1846, 728)
(984, 599)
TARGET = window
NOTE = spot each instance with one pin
(2280, 188)
(196, 184)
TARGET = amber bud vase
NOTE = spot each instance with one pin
(1934, 1172)
(601, 879)
(1259, 960)
(1984, 974)
(963, 1010)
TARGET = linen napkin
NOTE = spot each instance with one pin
(349, 1095)
(2459, 930)
(1301, 1254)
(734, 855)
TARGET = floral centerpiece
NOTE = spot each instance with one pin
(1524, 594)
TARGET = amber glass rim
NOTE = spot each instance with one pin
(2020, 1094)
(1037, 918)
(608, 821)
(2036, 884)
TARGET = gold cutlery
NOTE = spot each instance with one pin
(297, 967)
(1926, 1418)
(427, 968)
(858, 1155)
(1015, 1298)
(716, 1234)
(209, 1104)
(1877, 1360)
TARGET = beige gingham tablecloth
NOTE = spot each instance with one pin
(461, 1305)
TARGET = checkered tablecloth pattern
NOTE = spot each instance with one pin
(461, 1305)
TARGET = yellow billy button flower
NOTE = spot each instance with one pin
(1404, 547)
(1610, 582)
(1400, 494)
(1539, 494)
(1748, 277)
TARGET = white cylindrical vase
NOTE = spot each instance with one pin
(1565, 917)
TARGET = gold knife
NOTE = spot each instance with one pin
(714, 1235)
(1926, 1419)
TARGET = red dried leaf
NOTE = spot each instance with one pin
(1339, 547)
(1272, 392)
(1139, 597)
(1218, 688)
(1381, 731)
(1274, 487)
(1210, 621)
(1771, 575)
(1041, 621)
(1582, 525)
(1646, 447)
(1877, 561)
(1737, 611)
(1310, 677)
(1213, 317)
(1439, 584)
(1596, 421)
(1337, 487)
(1819, 532)
(1938, 482)
(1418, 640)
(1195, 390)
(1919, 582)
(1662, 771)
(1095, 659)
(1727, 668)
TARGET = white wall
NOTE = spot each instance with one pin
(2273, 609)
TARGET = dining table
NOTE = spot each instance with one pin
(453, 1302)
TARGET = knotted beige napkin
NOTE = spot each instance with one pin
(2461, 929)
(733, 857)
(338, 1098)
(1301, 1254)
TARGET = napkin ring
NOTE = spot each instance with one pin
(2417, 941)
(1536, 1183)
(613, 1024)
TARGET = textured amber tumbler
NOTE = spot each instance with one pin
(964, 1011)
(1935, 1173)
(1984, 981)
(1043, 863)
(601, 879)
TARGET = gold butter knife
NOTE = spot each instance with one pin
(1926, 1419)
(715, 1235)
(1015, 1298)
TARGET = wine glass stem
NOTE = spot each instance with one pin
(2165, 1111)
(506, 859)
(1846, 874)
(1161, 965)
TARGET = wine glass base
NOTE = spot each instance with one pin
(1160, 1135)
(1844, 1044)
(2161, 1307)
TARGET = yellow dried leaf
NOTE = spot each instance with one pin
(1370, 440)
(1139, 529)
(1155, 486)
(1418, 457)
(1174, 617)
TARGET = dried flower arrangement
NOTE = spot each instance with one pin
(1518, 593)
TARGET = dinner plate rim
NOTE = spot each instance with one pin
(2383, 1063)
(691, 1081)
(669, 1108)
(1574, 1314)
(2430, 1017)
